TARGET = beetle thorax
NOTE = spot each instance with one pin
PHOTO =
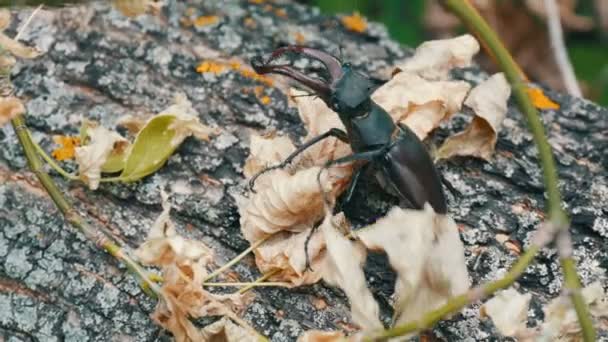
(351, 95)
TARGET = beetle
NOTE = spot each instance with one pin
(402, 163)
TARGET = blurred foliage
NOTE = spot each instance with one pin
(405, 22)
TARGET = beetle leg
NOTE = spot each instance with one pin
(334, 132)
(353, 184)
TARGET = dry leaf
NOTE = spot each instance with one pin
(425, 250)
(343, 267)
(92, 157)
(318, 119)
(266, 151)
(10, 107)
(225, 330)
(289, 203)
(186, 121)
(354, 22)
(540, 100)
(561, 321)
(419, 103)
(489, 102)
(284, 255)
(434, 59)
(18, 49)
(508, 309)
(322, 336)
(183, 264)
(132, 123)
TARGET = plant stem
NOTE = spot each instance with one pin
(455, 304)
(236, 259)
(253, 284)
(70, 214)
(259, 281)
(51, 162)
(557, 216)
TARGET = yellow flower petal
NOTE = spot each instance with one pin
(68, 147)
(355, 22)
(540, 100)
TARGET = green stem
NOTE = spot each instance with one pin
(236, 259)
(70, 214)
(455, 304)
(469, 15)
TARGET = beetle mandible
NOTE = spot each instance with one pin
(403, 165)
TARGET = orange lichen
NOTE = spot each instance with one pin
(265, 99)
(210, 66)
(540, 100)
(68, 147)
(280, 12)
(206, 20)
(355, 22)
(300, 39)
(250, 22)
(219, 67)
(257, 2)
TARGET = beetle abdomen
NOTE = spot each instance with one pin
(409, 172)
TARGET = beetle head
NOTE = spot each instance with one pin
(345, 91)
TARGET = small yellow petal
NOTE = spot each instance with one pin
(206, 20)
(355, 22)
(540, 100)
(68, 147)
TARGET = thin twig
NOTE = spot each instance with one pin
(70, 214)
(556, 36)
(258, 282)
(52, 162)
(558, 220)
(27, 22)
(253, 284)
(236, 259)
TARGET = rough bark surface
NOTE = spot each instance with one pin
(100, 65)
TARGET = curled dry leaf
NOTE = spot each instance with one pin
(489, 102)
(14, 47)
(434, 59)
(343, 267)
(10, 107)
(318, 119)
(561, 322)
(182, 263)
(186, 122)
(290, 203)
(284, 253)
(226, 331)
(265, 151)
(508, 309)
(425, 250)
(93, 156)
(419, 103)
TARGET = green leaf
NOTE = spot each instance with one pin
(116, 161)
(151, 149)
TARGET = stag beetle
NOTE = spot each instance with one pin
(403, 165)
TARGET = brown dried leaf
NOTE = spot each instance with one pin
(284, 254)
(489, 102)
(434, 59)
(225, 330)
(419, 103)
(289, 203)
(561, 321)
(183, 264)
(265, 152)
(343, 267)
(425, 250)
(93, 156)
(10, 107)
(508, 309)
